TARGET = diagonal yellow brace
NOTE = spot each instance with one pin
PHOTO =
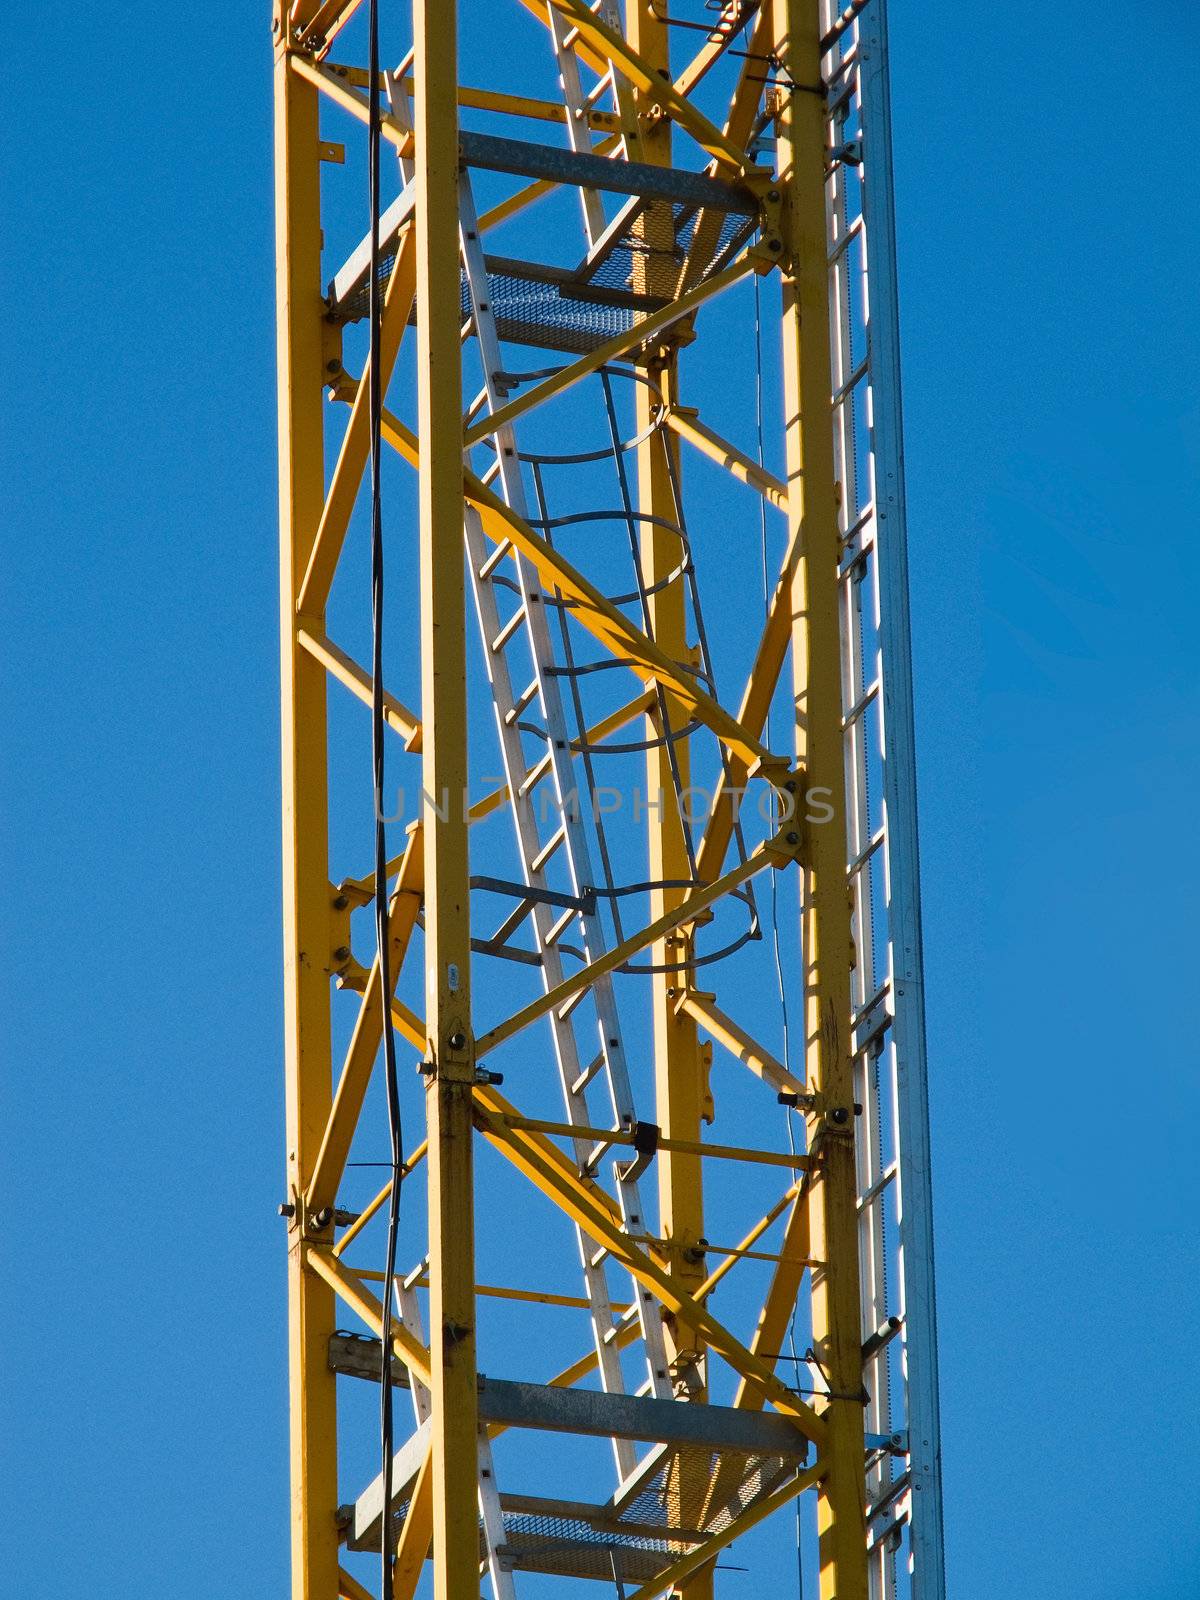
(738, 1042)
(358, 680)
(609, 44)
(495, 798)
(749, 1240)
(350, 1288)
(324, 22)
(582, 49)
(350, 1589)
(771, 853)
(494, 1104)
(356, 441)
(337, 89)
(379, 1200)
(752, 712)
(368, 1032)
(570, 1195)
(778, 1308)
(595, 613)
(685, 421)
(739, 124)
(612, 723)
(705, 59)
(612, 349)
(781, 1295)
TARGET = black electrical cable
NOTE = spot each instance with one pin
(382, 941)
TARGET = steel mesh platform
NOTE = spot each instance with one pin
(694, 1493)
(575, 310)
(690, 1493)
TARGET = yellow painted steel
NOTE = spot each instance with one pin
(685, 421)
(831, 1212)
(702, 1008)
(374, 1205)
(348, 1286)
(431, 884)
(668, 1144)
(680, 1082)
(352, 457)
(512, 105)
(307, 919)
(581, 1202)
(451, 1048)
(678, 1575)
(347, 671)
(368, 1030)
(644, 74)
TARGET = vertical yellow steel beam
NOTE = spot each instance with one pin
(827, 954)
(306, 932)
(451, 1050)
(678, 1074)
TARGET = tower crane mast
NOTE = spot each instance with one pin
(648, 940)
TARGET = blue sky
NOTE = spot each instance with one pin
(1048, 226)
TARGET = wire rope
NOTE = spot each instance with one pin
(382, 935)
(775, 940)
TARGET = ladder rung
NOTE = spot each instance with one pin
(851, 233)
(572, 1003)
(860, 705)
(865, 855)
(561, 926)
(869, 1196)
(588, 1073)
(534, 776)
(522, 701)
(588, 1169)
(876, 999)
(859, 523)
(495, 558)
(548, 849)
(860, 372)
(507, 631)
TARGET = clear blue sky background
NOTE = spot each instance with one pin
(1049, 227)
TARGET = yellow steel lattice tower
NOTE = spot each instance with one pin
(655, 218)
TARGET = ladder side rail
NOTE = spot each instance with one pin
(868, 1146)
(848, 399)
(908, 1052)
(579, 133)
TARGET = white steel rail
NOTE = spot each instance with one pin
(907, 975)
(896, 1235)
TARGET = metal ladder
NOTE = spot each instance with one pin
(895, 1227)
(578, 1069)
